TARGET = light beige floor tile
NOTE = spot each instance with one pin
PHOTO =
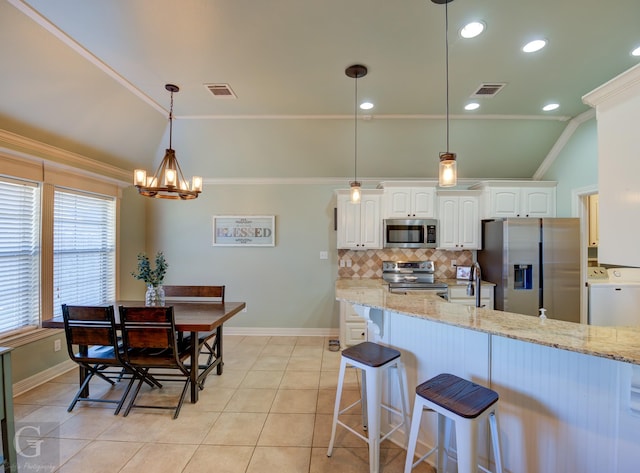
(307, 350)
(212, 398)
(271, 362)
(311, 341)
(279, 460)
(331, 360)
(236, 428)
(229, 378)
(277, 349)
(251, 400)
(287, 430)
(344, 438)
(87, 424)
(255, 340)
(262, 379)
(47, 454)
(70, 377)
(101, 457)
(329, 380)
(49, 416)
(294, 379)
(51, 394)
(231, 341)
(160, 458)
(239, 363)
(327, 400)
(22, 410)
(356, 460)
(304, 363)
(283, 340)
(295, 401)
(228, 459)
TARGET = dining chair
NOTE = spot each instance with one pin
(204, 293)
(151, 346)
(92, 342)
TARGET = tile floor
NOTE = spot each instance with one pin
(270, 411)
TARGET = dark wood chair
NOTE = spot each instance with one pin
(151, 346)
(93, 329)
(206, 340)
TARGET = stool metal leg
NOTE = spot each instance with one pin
(413, 435)
(363, 397)
(336, 409)
(495, 439)
(467, 445)
(374, 399)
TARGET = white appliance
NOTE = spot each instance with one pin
(614, 296)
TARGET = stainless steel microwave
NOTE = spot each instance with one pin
(410, 233)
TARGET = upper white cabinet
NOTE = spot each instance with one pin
(518, 199)
(409, 201)
(359, 225)
(459, 220)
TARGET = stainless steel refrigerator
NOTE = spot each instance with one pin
(534, 263)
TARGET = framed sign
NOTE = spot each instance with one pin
(244, 230)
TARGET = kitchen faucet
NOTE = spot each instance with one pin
(476, 272)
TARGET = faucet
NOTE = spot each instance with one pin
(475, 273)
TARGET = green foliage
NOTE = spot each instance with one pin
(155, 277)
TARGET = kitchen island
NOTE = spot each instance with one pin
(569, 393)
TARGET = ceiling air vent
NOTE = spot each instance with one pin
(221, 91)
(488, 89)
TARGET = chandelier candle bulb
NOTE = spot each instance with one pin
(140, 177)
(197, 184)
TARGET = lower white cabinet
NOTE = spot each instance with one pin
(458, 295)
(353, 328)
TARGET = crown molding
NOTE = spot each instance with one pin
(616, 86)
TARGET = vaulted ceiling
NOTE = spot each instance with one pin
(89, 76)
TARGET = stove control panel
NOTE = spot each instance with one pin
(597, 273)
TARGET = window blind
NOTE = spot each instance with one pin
(19, 255)
(83, 249)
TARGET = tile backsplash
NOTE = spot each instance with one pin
(368, 263)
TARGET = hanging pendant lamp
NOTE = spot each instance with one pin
(168, 181)
(355, 72)
(447, 169)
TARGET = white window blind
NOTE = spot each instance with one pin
(19, 255)
(83, 249)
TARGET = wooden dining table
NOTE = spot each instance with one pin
(193, 318)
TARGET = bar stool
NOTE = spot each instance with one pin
(464, 403)
(372, 359)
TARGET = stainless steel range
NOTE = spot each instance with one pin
(405, 276)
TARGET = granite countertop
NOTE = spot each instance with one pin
(462, 282)
(616, 343)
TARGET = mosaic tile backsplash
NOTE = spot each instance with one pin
(368, 264)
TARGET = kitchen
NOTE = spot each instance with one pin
(296, 195)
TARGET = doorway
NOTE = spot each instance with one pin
(585, 207)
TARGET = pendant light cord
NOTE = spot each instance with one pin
(446, 42)
(355, 132)
(171, 121)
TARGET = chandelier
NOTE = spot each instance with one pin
(168, 182)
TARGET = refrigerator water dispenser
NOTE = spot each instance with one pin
(522, 277)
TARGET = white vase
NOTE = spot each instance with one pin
(154, 296)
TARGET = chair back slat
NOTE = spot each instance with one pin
(214, 292)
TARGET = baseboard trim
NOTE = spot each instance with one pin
(42, 377)
(282, 331)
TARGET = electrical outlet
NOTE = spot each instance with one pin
(342, 263)
(453, 263)
(57, 345)
(348, 263)
(324, 255)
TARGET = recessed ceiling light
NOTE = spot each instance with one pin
(551, 106)
(472, 106)
(636, 52)
(471, 30)
(535, 45)
(366, 105)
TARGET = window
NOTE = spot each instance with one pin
(19, 255)
(83, 249)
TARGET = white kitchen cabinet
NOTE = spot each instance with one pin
(353, 328)
(359, 225)
(593, 220)
(457, 294)
(459, 220)
(518, 199)
(409, 202)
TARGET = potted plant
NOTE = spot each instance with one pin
(153, 278)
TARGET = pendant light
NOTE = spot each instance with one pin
(168, 181)
(447, 172)
(355, 72)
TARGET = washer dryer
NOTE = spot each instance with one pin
(614, 296)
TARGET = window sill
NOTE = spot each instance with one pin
(20, 339)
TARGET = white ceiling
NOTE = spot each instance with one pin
(89, 76)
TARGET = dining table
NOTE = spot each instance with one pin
(191, 317)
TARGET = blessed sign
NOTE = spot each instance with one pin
(246, 230)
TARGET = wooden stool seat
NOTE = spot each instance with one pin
(371, 354)
(457, 395)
